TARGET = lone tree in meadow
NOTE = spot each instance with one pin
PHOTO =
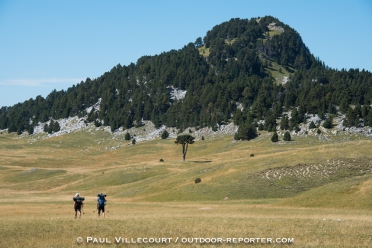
(184, 140)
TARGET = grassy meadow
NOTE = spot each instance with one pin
(317, 193)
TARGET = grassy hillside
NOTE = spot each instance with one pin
(92, 162)
(308, 189)
(279, 73)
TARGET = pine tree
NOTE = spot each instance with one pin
(246, 132)
(275, 137)
(30, 130)
(56, 127)
(312, 125)
(165, 134)
(97, 123)
(12, 128)
(369, 119)
(19, 130)
(112, 126)
(51, 125)
(328, 123)
(184, 140)
(260, 127)
(284, 123)
(287, 136)
(350, 118)
(46, 128)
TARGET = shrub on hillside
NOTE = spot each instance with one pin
(270, 128)
(56, 127)
(198, 180)
(245, 132)
(260, 127)
(165, 134)
(46, 128)
(97, 123)
(287, 136)
(312, 125)
(328, 123)
(275, 137)
(30, 130)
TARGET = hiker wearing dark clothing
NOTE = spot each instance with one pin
(78, 204)
(101, 203)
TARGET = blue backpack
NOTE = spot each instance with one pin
(101, 200)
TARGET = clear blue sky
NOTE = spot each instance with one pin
(46, 45)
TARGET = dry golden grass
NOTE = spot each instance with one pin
(275, 32)
(148, 198)
(51, 224)
(203, 51)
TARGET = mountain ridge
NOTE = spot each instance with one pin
(242, 63)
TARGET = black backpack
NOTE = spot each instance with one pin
(78, 201)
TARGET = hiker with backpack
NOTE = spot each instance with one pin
(101, 203)
(78, 204)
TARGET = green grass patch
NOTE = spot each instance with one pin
(109, 178)
(203, 51)
(231, 41)
(34, 174)
(80, 163)
(351, 192)
(275, 32)
(279, 72)
(284, 182)
(57, 182)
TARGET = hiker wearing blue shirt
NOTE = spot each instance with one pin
(101, 203)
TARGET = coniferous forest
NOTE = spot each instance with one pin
(231, 66)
